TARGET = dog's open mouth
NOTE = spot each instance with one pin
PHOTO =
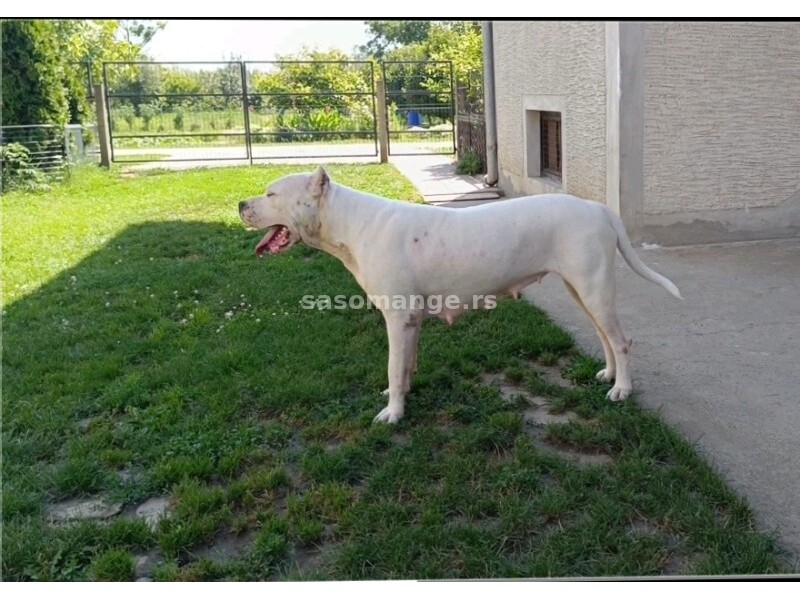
(277, 240)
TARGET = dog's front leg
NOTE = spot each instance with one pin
(403, 329)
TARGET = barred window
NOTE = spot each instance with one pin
(550, 137)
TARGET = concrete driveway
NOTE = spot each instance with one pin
(722, 366)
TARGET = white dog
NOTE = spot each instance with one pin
(399, 249)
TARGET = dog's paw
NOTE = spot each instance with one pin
(605, 374)
(388, 416)
(618, 394)
(385, 392)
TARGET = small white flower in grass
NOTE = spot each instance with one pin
(196, 292)
(273, 314)
(151, 258)
(197, 301)
(183, 321)
(108, 303)
(229, 314)
(152, 295)
(258, 320)
(179, 305)
(191, 315)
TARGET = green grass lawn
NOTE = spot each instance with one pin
(147, 353)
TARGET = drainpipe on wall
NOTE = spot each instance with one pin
(488, 102)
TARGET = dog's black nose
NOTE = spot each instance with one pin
(242, 205)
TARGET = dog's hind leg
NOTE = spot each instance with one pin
(403, 329)
(596, 294)
(610, 370)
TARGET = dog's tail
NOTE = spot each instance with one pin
(633, 260)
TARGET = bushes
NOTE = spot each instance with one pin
(33, 87)
(19, 172)
(469, 163)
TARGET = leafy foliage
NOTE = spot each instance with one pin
(312, 79)
(392, 34)
(19, 172)
(469, 163)
(33, 90)
(47, 64)
(457, 41)
(425, 51)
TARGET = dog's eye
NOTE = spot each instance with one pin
(270, 194)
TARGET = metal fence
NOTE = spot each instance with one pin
(45, 148)
(240, 110)
(288, 118)
(157, 112)
(420, 102)
(471, 122)
(255, 110)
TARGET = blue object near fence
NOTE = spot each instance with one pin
(414, 118)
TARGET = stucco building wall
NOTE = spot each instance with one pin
(564, 62)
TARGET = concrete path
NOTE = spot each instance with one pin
(434, 175)
(721, 366)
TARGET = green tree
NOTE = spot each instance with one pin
(459, 42)
(33, 74)
(387, 35)
(86, 43)
(139, 33)
(180, 84)
(312, 79)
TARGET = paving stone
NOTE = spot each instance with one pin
(152, 511)
(84, 508)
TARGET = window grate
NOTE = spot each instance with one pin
(550, 128)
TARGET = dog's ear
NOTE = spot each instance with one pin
(319, 183)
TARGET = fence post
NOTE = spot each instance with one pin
(383, 123)
(102, 125)
(248, 137)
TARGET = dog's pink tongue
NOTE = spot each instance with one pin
(263, 245)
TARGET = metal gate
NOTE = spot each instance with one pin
(261, 110)
(169, 111)
(200, 111)
(311, 109)
(420, 103)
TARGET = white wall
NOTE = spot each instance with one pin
(564, 60)
(721, 116)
